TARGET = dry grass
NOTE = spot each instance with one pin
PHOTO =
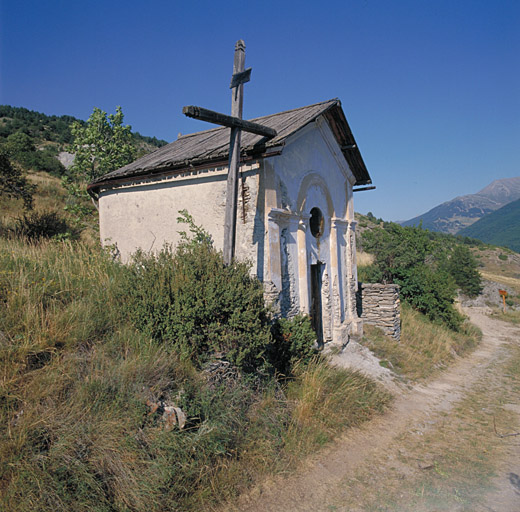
(512, 316)
(326, 401)
(75, 432)
(498, 263)
(364, 259)
(50, 196)
(424, 347)
(448, 463)
(508, 281)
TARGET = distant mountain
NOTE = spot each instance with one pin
(455, 215)
(501, 227)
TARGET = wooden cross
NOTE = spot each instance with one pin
(237, 124)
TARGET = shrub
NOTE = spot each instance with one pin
(192, 302)
(369, 274)
(431, 293)
(38, 225)
(294, 342)
(415, 259)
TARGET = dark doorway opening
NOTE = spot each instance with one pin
(316, 312)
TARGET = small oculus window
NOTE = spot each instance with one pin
(316, 222)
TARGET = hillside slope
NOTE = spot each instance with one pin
(501, 227)
(50, 128)
(454, 215)
(39, 142)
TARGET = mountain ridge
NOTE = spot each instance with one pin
(462, 211)
(501, 227)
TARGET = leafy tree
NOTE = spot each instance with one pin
(18, 145)
(463, 267)
(102, 145)
(13, 183)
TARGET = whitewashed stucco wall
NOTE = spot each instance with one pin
(144, 215)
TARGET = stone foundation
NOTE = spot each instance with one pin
(379, 305)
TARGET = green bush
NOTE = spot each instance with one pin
(294, 341)
(431, 293)
(38, 225)
(189, 300)
(417, 261)
(369, 274)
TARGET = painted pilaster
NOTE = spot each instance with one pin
(303, 267)
(285, 277)
(342, 326)
(338, 264)
(272, 267)
(357, 326)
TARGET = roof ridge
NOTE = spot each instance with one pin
(298, 108)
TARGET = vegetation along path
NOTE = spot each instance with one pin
(439, 448)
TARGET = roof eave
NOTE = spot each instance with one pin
(343, 134)
(180, 168)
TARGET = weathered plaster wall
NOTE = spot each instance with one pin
(144, 215)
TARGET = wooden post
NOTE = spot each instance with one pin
(503, 294)
(237, 101)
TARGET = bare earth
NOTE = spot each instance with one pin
(436, 449)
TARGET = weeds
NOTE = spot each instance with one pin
(511, 315)
(424, 347)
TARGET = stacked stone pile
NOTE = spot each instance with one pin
(379, 305)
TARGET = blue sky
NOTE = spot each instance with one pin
(431, 89)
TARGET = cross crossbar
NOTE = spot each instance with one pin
(240, 78)
(231, 122)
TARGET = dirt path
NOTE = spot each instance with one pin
(435, 450)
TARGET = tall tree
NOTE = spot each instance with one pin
(463, 267)
(102, 145)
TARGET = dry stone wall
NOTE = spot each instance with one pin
(379, 305)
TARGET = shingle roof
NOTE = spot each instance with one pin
(213, 145)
